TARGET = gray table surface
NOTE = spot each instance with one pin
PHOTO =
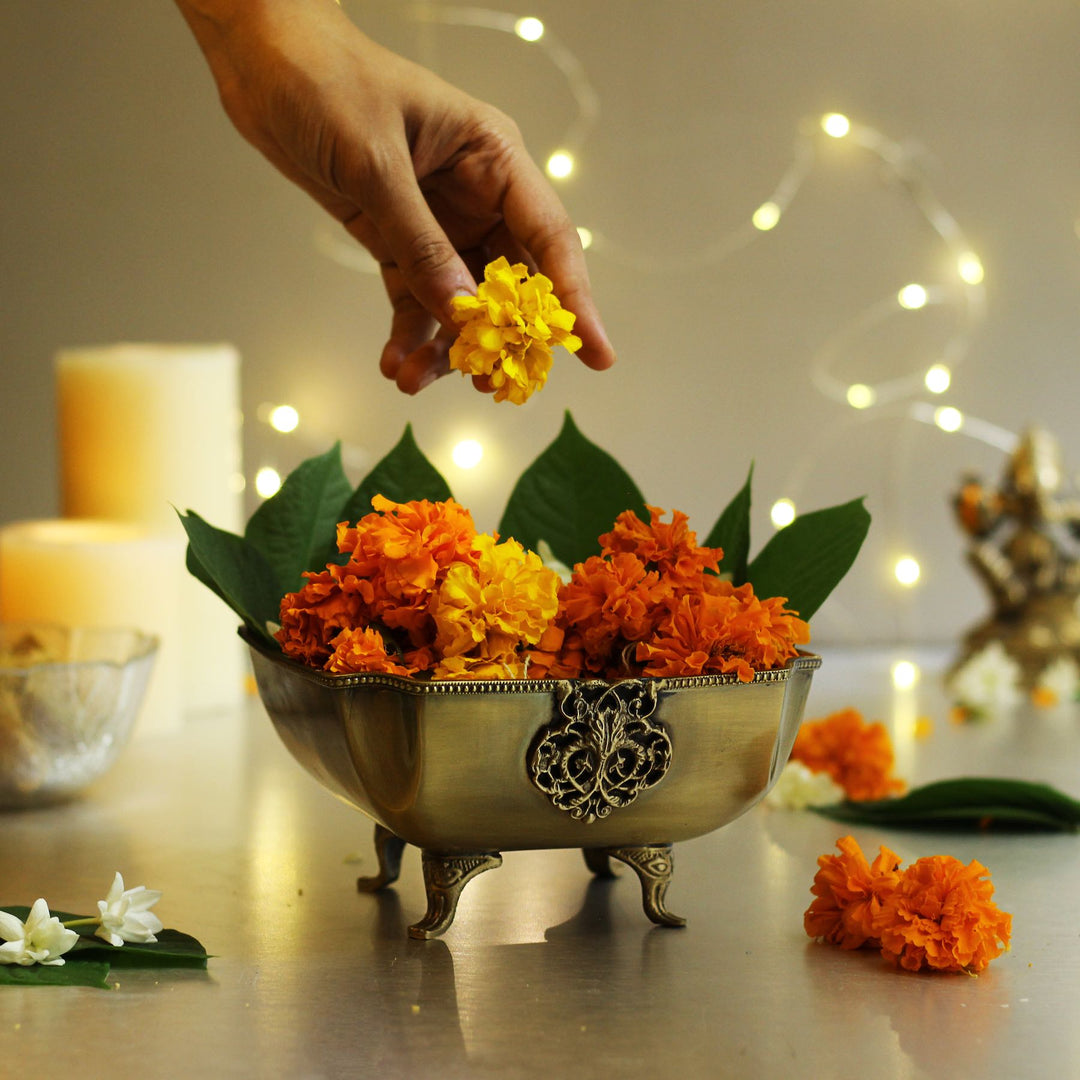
(546, 972)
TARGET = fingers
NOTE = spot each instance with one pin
(423, 257)
(538, 220)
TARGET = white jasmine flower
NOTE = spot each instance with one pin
(42, 939)
(126, 915)
(1059, 681)
(798, 787)
(989, 682)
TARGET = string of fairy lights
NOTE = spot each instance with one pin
(916, 396)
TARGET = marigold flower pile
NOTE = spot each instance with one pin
(937, 914)
(422, 593)
(858, 756)
(507, 330)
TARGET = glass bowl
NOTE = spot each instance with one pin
(68, 701)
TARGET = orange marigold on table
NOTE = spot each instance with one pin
(850, 894)
(857, 755)
(941, 916)
(508, 329)
(937, 914)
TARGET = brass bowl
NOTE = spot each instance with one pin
(466, 769)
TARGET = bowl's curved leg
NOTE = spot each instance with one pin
(596, 859)
(388, 849)
(653, 865)
(444, 878)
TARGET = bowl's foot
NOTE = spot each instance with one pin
(388, 849)
(596, 859)
(653, 865)
(444, 878)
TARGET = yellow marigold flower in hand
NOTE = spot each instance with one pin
(508, 328)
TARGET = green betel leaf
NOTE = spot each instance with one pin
(172, 949)
(806, 560)
(71, 973)
(569, 496)
(402, 476)
(732, 533)
(967, 803)
(235, 570)
(294, 529)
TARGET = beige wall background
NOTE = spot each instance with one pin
(131, 211)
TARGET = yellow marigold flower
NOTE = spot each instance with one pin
(508, 594)
(508, 328)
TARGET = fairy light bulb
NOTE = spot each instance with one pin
(907, 571)
(267, 481)
(912, 297)
(782, 513)
(905, 674)
(835, 124)
(948, 418)
(938, 379)
(766, 216)
(529, 28)
(861, 396)
(560, 165)
(970, 268)
(585, 236)
(467, 454)
(284, 418)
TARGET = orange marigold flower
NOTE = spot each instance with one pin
(557, 655)
(399, 554)
(941, 916)
(508, 328)
(671, 548)
(406, 545)
(363, 649)
(850, 895)
(609, 602)
(857, 755)
(313, 616)
(724, 630)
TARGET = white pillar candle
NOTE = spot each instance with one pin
(101, 574)
(147, 428)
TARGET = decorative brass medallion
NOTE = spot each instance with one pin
(606, 753)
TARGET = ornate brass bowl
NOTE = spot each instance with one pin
(466, 769)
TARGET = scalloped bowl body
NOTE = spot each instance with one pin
(444, 765)
(68, 701)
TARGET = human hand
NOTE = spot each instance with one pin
(434, 183)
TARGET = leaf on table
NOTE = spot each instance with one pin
(806, 560)
(570, 495)
(986, 803)
(71, 973)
